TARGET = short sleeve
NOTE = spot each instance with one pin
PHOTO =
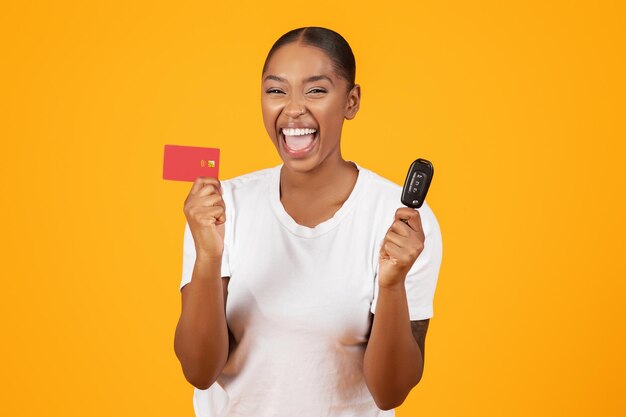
(421, 280)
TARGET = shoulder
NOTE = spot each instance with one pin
(249, 187)
(385, 195)
(246, 198)
(382, 186)
(249, 180)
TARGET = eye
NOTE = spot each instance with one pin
(274, 91)
(317, 91)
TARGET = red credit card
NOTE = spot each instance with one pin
(186, 163)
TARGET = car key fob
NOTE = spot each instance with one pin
(417, 182)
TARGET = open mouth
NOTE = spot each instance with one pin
(299, 141)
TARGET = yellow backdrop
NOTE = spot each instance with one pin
(519, 105)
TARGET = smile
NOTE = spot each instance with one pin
(298, 132)
(299, 141)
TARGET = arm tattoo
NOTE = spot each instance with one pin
(419, 328)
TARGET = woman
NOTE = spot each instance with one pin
(303, 292)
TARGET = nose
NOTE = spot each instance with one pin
(294, 108)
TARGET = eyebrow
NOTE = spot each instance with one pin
(308, 80)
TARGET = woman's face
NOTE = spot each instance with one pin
(304, 103)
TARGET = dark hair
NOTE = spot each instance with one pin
(329, 41)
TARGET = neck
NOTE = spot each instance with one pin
(326, 177)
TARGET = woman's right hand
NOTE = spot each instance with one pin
(206, 213)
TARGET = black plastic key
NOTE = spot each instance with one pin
(417, 182)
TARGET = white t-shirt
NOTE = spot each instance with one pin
(299, 299)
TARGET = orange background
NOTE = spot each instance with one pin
(518, 104)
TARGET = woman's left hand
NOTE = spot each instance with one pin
(401, 246)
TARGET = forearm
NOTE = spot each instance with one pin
(201, 339)
(393, 363)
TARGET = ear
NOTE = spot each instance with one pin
(354, 102)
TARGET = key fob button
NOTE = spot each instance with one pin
(417, 183)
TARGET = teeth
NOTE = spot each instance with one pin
(298, 132)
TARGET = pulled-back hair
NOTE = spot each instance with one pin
(329, 41)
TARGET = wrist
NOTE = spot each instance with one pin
(391, 276)
(207, 269)
(210, 250)
(206, 258)
(393, 286)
